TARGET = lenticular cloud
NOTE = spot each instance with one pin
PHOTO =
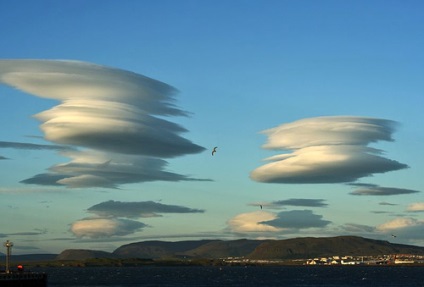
(102, 108)
(326, 150)
(119, 114)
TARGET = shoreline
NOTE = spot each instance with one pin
(135, 262)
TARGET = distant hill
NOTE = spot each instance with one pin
(82, 254)
(295, 248)
(222, 249)
(310, 247)
(158, 249)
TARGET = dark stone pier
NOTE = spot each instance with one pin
(23, 279)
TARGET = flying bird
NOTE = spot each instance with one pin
(393, 235)
(214, 150)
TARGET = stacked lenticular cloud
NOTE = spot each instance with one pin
(117, 115)
(326, 150)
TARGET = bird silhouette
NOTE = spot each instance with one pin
(214, 150)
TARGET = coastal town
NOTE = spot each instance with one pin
(369, 260)
(391, 259)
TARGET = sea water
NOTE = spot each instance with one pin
(344, 276)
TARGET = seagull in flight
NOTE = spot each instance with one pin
(214, 150)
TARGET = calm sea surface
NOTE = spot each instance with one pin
(236, 276)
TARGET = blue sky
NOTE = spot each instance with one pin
(110, 110)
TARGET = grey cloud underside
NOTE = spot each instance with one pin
(152, 144)
(129, 227)
(31, 146)
(301, 202)
(27, 233)
(357, 228)
(359, 184)
(121, 169)
(44, 179)
(297, 219)
(383, 191)
(104, 179)
(27, 248)
(137, 209)
(387, 203)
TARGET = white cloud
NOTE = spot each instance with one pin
(416, 207)
(326, 150)
(285, 221)
(397, 223)
(322, 131)
(407, 229)
(250, 222)
(105, 227)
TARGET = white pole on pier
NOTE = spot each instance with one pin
(8, 244)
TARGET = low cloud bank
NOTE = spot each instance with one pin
(116, 218)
